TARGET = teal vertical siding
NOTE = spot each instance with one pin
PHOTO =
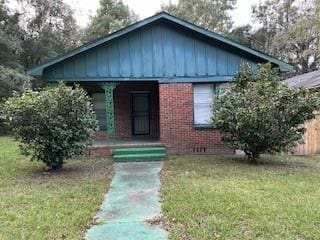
(179, 54)
(68, 68)
(91, 63)
(201, 58)
(222, 60)
(211, 55)
(190, 57)
(136, 55)
(146, 54)
(157, 51)
(158, 61)
(102, 59)
(168, 53)
(113, 59)
(80, 67)
(125, 58)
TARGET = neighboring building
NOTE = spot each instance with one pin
(311, 138)
(307, 80)
(156, 79)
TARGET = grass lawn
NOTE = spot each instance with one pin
(58, 205)
(223, 197)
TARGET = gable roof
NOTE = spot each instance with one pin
(37, 70)
(307, 80)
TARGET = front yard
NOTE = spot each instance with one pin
(35, 205)
(204, 197)
(216, 197)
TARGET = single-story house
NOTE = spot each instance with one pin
(155, 80)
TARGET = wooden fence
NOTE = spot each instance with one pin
(311, 138)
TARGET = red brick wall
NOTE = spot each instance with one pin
(122, 100)
(100, 135)
(122, 107)
(177, 130)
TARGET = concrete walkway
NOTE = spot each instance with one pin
(132, 199)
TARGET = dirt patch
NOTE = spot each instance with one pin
(167, 225)
(74, 170)
(163, 222)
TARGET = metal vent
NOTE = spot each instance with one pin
(199, 149)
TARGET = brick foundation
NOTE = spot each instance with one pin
(99, 151)
(177, 131)
(100, 135)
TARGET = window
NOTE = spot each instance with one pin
(98, 102)
(202, 101)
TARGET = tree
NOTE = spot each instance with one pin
(258, 114)
(110, 17)
(49, 29)
(11, 47)
(242, 34)
(12, 80)
(300, 43)
(211, 14)
(10, 37)
(290, 30)
(30, 32)
(52, 125)
(275, 14)
(260, 38)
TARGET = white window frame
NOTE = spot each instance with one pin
(206, 103)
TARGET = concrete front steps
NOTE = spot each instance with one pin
(139, 154)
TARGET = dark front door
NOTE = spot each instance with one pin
(140, 113)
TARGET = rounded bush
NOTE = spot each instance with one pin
(258, 114)
(53, 124)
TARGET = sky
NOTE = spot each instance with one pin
(145, 8)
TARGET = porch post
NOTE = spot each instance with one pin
(109, 104)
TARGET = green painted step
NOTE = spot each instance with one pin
(139, 154)
(139, 157)
(138, 150)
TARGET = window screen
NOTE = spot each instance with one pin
(202, 100)
(98, 101)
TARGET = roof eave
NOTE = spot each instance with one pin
(285, 67)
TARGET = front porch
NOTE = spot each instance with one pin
(125, 110)
(127, 114)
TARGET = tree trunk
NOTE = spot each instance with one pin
(254, 159)
(56, 166)
(252, 156)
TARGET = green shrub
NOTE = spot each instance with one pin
(258, 114)
(52, 125)
(11, 81)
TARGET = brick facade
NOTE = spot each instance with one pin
(171, 118)
(177, 131)
(123, 108)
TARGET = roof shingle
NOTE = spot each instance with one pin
(307, 80)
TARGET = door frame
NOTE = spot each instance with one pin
(148, 93)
